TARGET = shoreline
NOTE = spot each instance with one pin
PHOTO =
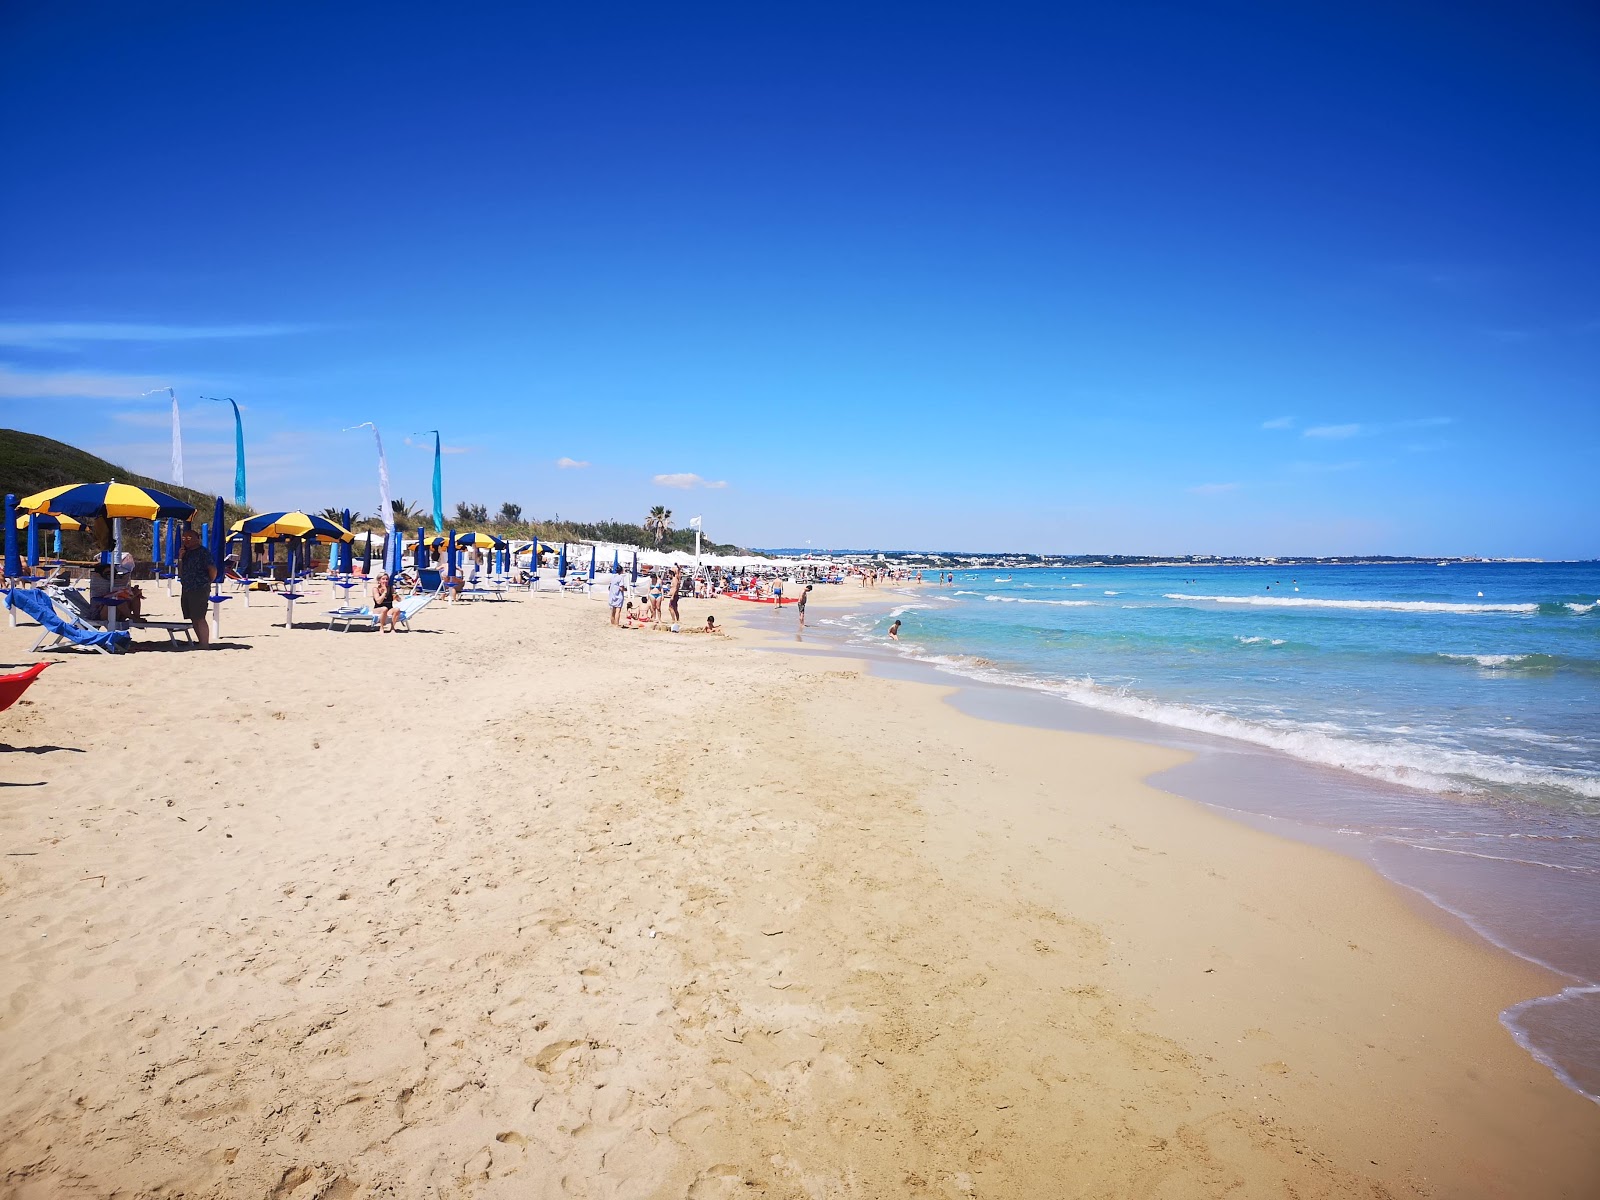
(1550, 1027)
(653, 915)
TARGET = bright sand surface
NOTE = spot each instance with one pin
(518, 905)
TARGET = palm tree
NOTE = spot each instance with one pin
(407, 514)
(337, 516)
(659, 522)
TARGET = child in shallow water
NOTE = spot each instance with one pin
(894, 631)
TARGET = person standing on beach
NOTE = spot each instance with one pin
(616, 597)
(672, 597)
(801, 607)
(196, 573)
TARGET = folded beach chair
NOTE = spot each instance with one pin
(365, 617)
(86, 615)
(63, 629)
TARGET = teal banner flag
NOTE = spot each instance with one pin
(238, 444)
(438, 486)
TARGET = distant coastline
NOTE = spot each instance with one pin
(971, 560)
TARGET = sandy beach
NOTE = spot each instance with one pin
(519, 905)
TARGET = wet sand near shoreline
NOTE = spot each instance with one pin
(520, 905)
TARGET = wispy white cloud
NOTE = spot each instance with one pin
(1278, 423)
(1214, 489)
(1333, 431)
(43, 334)
(87, 385)
(687, 481)
(570, 464)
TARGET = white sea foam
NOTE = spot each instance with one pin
(1113, 593)
(1428, 767)
(1024, 600)
(1256, 641)
(1490, 661)
(905, 608)
(1584, 608)
(1385, 605)
(969, 593)
(1075, 585)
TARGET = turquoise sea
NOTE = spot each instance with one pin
(1441, 721)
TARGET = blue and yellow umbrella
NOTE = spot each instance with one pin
(86, 501)
(47, 521)
(292, 524)
(476, 539)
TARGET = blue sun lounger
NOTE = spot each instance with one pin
(60, 630)
(346, 617)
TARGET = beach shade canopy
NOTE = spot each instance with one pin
(561, 563)
(86, 501)
(293, 524)
(47, 521)
(218, 537)
(476, 539)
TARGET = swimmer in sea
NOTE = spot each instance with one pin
(894, 631)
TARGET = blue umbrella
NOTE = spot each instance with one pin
(217, 535)
(347, 552)
(561, 563)
(635, 567)
(422, 552)
(366, 556)
(450, 556)
(594, 553)
(33, 543)
(172, 542)
(616, 563)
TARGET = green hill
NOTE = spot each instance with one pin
(30, 463)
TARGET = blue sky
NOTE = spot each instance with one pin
(1229, 277)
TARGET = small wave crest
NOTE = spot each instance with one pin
(1381, 605)
(1025, 600)
(1400, 761)
(1257, 641)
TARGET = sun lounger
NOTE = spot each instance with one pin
(63, 629)
(86, 615)
(364, 617)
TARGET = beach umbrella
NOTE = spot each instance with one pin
(366, 557)
(561, 564)
(292, 524)
(594, 553)
(87, 501)
(635, 578)
(422, 553)
(33, 544)
(47, 521)
(13, 564)
(347, 550)
(172, 542)
(450, 556)
(616, 562)
(476, 539)
(217, 536)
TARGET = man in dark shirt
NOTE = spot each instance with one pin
(196, 572)
(801, 608)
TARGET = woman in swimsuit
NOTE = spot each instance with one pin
(383, 603)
